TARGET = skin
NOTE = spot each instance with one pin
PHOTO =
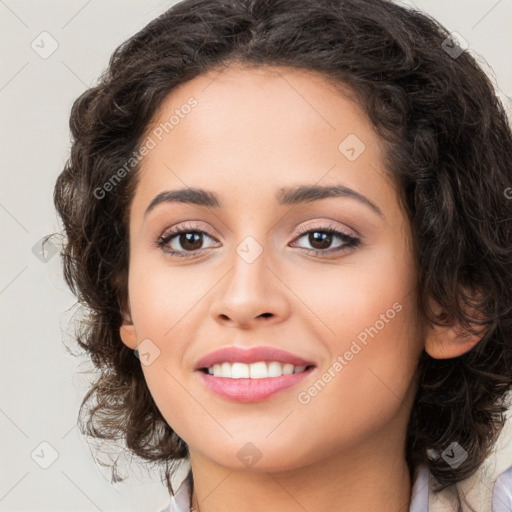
(253, 132)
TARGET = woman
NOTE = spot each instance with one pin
(294, 213)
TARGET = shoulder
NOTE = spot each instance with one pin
(181, 499)
(489, 489)
(502, 492)
(481, 491)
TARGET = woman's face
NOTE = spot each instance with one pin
(255, 267)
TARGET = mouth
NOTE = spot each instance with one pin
(251, 375)
(254, 382)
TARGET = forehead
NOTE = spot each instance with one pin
(252, 131)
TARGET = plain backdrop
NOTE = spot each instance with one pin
(41, 383)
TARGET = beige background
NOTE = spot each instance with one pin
(41, 386)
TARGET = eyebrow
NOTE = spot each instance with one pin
(285, 196)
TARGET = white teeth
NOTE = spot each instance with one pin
(226, 369)
(287, 369)
(274, 369)
(238, 371)
(259, 370)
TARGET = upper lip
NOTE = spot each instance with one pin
(248, 356)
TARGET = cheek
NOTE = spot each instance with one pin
(179, 404)
(366, 290)
(165, 306)
(366, 389)
(368, 322)
(163, 300)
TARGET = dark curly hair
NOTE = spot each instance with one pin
(448, 149)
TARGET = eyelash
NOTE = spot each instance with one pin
(349, 240)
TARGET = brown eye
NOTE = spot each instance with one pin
(191, 240)
(321, 238)
(179, 242)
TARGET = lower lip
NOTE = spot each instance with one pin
(251, 390)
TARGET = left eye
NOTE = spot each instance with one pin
(323, 236)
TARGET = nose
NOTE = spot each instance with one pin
(250, 294)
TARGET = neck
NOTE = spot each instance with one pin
(344, 482)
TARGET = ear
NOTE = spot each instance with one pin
(127, 330)
(445, 342)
